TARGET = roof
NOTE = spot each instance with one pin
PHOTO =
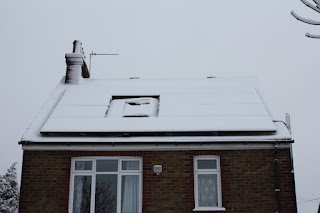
(187, 110)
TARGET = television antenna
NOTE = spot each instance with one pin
(94, 54)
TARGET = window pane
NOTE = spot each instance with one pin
(106, 193)
(207, 190)
(81, 194)
(83, 165)
(130, 165)
(107, 165)
(130, 194)
(141, 107)
(207, 164)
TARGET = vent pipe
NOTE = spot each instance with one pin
(288, 122)
(76, 65)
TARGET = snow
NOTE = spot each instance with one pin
(133, 107)
(308, 4)
(9, 191)
(213, 110)
(160, 124)
(308, 21)
(282, 134)
(207, 107)
(226, 104)
(88, 95)
(78, 111)
(312, 36)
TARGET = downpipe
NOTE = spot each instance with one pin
(277, 178)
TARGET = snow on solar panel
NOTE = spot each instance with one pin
(182, 108)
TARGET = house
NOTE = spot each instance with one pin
(155, 145)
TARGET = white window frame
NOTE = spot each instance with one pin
(93, 174)
(207, 171)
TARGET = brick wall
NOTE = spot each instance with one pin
(247, 180)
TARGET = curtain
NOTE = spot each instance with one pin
(81, 194)
(83, 165)
(130, 165)
(130, 194)
(207, 190)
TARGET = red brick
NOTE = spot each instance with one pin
(247, 180)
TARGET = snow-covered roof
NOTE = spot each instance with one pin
(208, 109)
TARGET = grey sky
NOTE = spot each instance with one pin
(181, 38)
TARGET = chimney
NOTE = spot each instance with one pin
(76, 64)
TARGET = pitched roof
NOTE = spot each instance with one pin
(213, 109)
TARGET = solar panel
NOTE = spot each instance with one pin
(205, 108)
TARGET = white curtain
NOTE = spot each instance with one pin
(80, 165)
(81, 195)
(130, 165)
(130, 194)
(83, 165)
(207, 191)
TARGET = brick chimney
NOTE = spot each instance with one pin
(76, 65)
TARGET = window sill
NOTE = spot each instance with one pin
(209, 209)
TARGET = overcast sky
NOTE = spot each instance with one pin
(164, 38)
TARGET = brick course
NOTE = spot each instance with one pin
(247, 180)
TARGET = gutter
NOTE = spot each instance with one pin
(25, 142)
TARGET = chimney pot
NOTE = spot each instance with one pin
(76, 65)
(77, 46)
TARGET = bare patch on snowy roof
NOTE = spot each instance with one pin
(133, 106)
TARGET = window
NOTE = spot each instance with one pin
(133, 106)
(207, 183)
(106, 184)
